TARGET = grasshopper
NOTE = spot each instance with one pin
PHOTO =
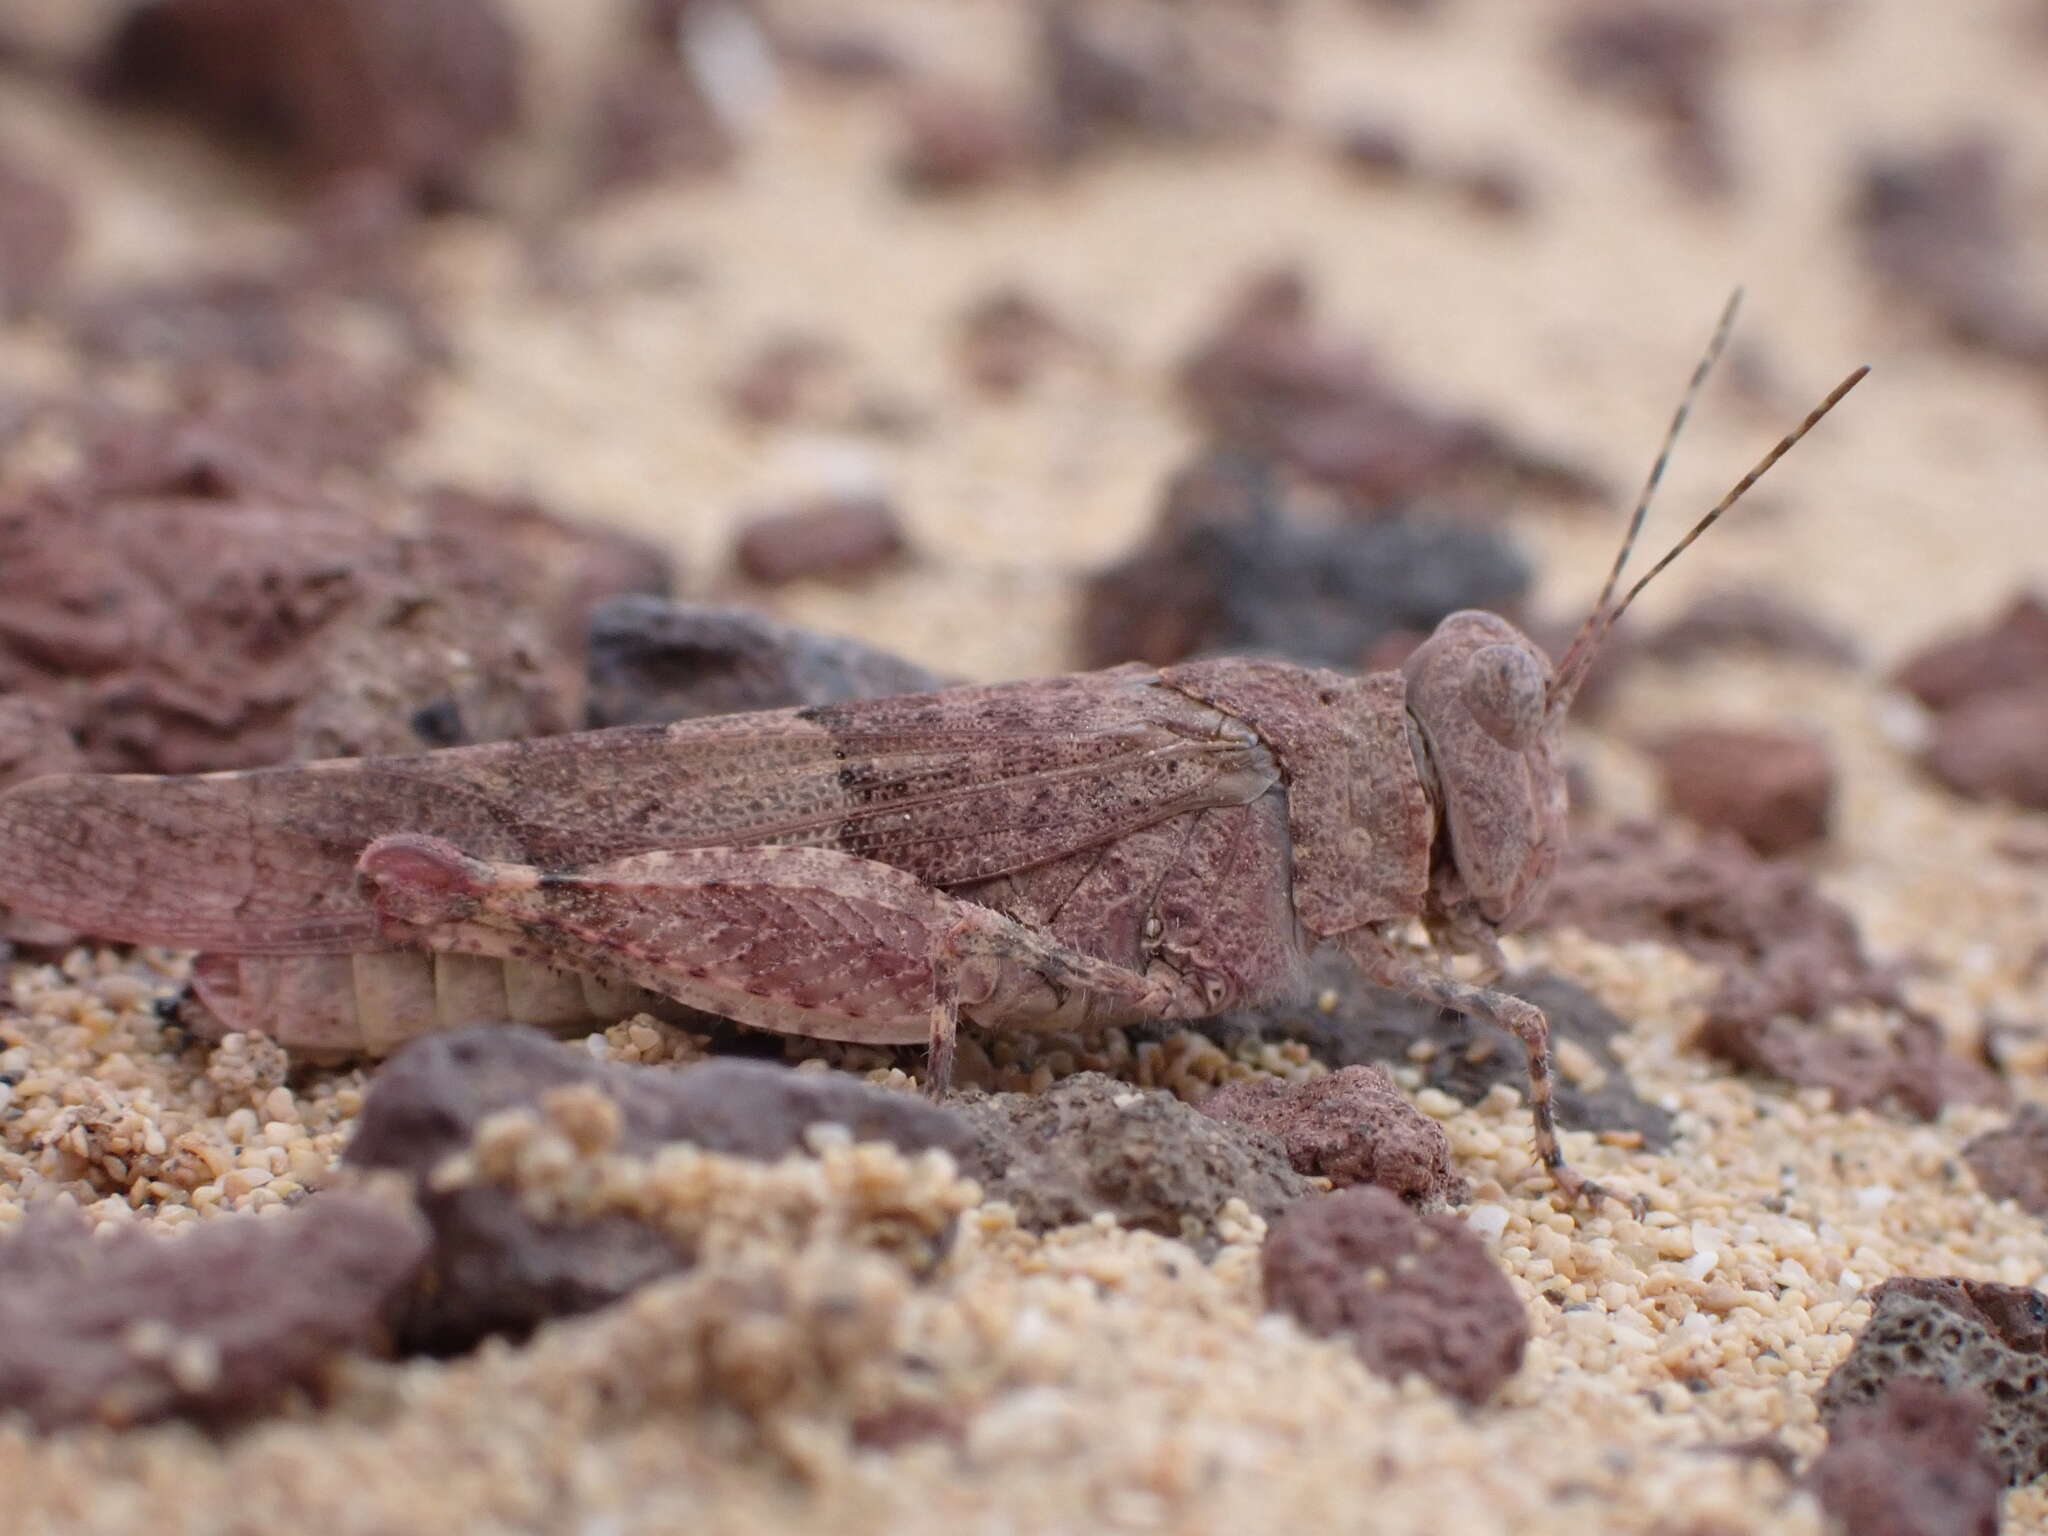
(1135, 843)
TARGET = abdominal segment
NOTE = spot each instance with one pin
(372, 1004)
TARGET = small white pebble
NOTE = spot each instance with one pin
(1851, 1281)
(1874, 1197)
(1489, 1221)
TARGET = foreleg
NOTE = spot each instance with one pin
(1387, 966)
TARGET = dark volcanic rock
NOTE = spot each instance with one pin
(1229, 569)
(1090, 1143)
(410, 89)
(215, 1325)
(1910, 1465)
(1968, 1336)
(493, 1268)
(1350, 1127)
(1414, 1293)
(1772, 789)
(653, 661)
(2011, 1163)
(1460, 1056)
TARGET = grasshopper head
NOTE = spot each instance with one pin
(1490, 709)
(1479, 696)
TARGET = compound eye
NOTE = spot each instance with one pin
(1503, 689)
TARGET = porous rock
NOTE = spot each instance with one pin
(1351, 1126)
(653, 661)
(126, 1327)
(1415, 1293)
(1092, 1143)
(494, 1268)
(1774, 789)
(2011, 1163)
(1966, 1336)
(210, 611)
(1909, 1465)
(1346, 1020)
(1230, 568)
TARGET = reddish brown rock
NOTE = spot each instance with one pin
(193, 622)
(410, 89)
(560, 569)
(2011, 1163)
(1788, 955)
(1940, 229)
(1772, 789)
(1752, 619)
(1995, 747)
(2011, 652)
(35, 739)
(832, 537)
(1007, 338)
(1414, 1293)
(1984, 1341)
(1666, 61)
(1350, 1127)
(38, 228)
(1270, 382)
(653, 116)
(216, 1325)
(785, 379)
(1091, 1143)
(1910, 1465)
(1158, 72)
(954, 139)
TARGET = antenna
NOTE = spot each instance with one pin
(1578, 657)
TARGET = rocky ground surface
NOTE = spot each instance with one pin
(979, 339)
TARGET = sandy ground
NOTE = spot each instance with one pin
(1102, 1379)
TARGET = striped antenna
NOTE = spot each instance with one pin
(1571, 671)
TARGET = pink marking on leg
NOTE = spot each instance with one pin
(421, 881)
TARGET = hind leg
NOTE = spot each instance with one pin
(807, 941)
